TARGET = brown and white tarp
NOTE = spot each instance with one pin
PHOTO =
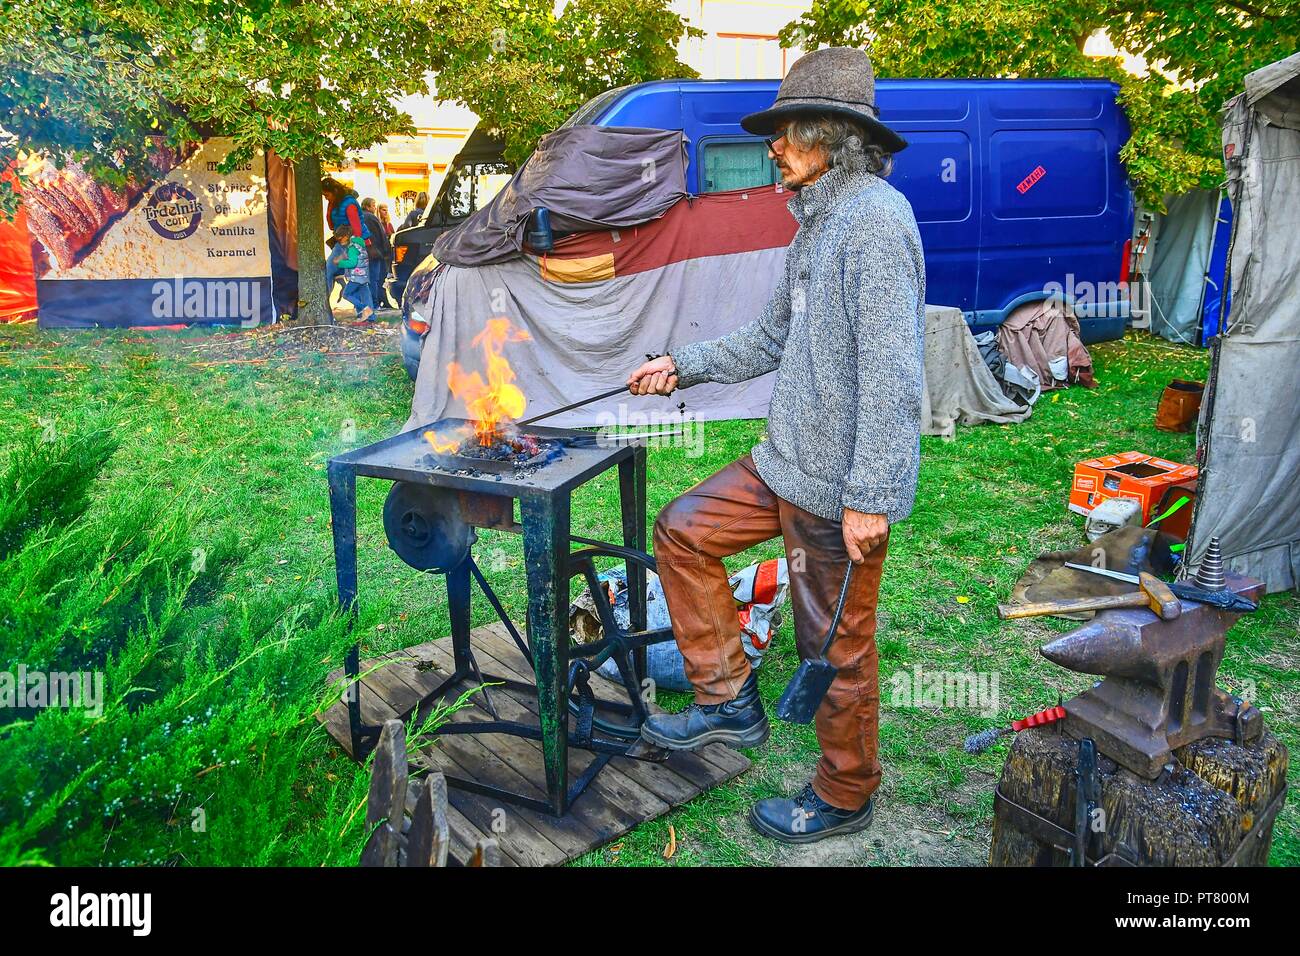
(603, 301)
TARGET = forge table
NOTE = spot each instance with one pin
(482, 495)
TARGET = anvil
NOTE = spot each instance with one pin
(1159, 691)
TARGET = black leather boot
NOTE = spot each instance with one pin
(807, 818)
(739, 722)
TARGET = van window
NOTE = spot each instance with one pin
(587, 113)
(489, 179)
(736, 165)
(470, 188)
(459, 193)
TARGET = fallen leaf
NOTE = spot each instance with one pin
(671, 848)
(962, 599)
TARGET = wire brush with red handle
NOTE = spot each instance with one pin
(982, 741)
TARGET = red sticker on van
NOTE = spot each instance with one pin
(1025, 184)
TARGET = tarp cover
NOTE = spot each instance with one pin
(638, 174)
(959, 388)
(1250, 422)
(602, 300)
(1044, 337)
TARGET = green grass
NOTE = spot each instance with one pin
(229, 458)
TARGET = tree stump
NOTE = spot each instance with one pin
(1215, 807)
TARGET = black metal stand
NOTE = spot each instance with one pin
(561, 687)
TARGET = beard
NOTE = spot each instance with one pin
(796, 181)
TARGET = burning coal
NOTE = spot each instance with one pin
(492, 400)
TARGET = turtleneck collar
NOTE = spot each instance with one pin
(815, 200)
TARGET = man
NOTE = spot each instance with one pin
(380, 249)
(843, 332)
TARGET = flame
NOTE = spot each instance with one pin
(488, 401)
(443, 445)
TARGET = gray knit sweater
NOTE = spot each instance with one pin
(844, 332)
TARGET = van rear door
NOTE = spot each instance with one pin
(1058, 207)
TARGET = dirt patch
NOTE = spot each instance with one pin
(901, 834)
(283, 343)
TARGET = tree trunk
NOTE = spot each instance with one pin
(313, 296)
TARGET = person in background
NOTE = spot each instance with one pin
(349, 259)
(343, 209)
(415, 215)
(380, 250)
(388, 231)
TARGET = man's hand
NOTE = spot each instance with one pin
(655, 377)
(862, 533)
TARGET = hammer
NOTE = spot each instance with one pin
(1152, 593)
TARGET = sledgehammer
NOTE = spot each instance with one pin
(1152, 593)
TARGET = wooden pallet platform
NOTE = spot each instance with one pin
(626, 792)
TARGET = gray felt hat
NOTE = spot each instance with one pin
(838, 80)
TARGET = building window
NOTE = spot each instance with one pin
(404, 204)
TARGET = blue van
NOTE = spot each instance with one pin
(1016, 184)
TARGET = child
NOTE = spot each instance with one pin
(350, 258)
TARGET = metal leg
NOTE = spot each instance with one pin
(458, 600)
(459, 606)
(632, 494)
(352, 672)
(495, 601)
(343, 515)
(546, 551)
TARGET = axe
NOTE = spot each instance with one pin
(1152, 593)
(803, 695)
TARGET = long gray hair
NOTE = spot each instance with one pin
(846, 142)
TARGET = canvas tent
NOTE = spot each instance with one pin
(1249, 431)
(1187, 267)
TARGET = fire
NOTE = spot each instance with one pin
(491, 400)
(442, 445)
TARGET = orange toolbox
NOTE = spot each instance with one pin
(1129, 474)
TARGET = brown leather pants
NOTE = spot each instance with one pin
(734, 510)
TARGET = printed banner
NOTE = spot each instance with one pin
(17, 281)
(189, 247)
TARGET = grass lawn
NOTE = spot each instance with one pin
(237, 429)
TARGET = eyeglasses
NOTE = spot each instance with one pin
(771, 141)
